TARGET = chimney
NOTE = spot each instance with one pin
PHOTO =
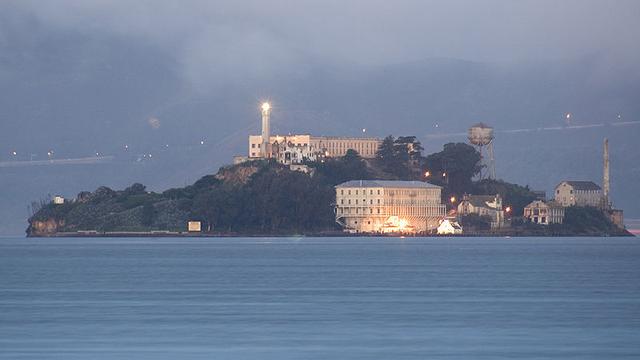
(266, 131)
(605, 175)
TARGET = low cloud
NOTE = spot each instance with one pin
(224, 41)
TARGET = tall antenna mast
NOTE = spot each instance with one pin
(605, 175)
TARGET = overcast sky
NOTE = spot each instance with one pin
(215, 38)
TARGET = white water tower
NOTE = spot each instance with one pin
(481, 136)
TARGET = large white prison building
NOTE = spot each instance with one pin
(289, 149)
(376, 206)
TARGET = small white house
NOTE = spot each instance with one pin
(449, 227)
(58, 200)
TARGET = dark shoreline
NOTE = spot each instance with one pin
(324, 234)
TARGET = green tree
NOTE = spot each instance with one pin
(513, 195)
(453, 168)
(385, 155)
(349, 167)
(401, 158)
(135, 189)
(148, 214)
(476, 222)
(218, 207)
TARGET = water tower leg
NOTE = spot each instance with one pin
(492, 162)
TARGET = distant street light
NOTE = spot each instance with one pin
(427, 174)
(14, 153)
(444, 174)
(201, 142)
(507, 209)
(453, 199)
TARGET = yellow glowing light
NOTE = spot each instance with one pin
(266, 106)
(508, 209)
(427, 174)
(453, 199)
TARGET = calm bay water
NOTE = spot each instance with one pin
(320, 298)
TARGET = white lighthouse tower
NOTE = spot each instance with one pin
(266, 131)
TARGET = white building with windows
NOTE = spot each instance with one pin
(544, 213)
(380, 206)
(483, 205)
(578, 193)
(294, 149)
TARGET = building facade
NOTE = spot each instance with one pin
(483, 205)
(578, 193)
(544, 213)
(284, 147)
(379, 206)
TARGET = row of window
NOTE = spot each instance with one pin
(364, 201)
(342, 211)
(407, 211)
(364, 192)
(580, 191)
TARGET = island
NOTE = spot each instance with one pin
(258, 197)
